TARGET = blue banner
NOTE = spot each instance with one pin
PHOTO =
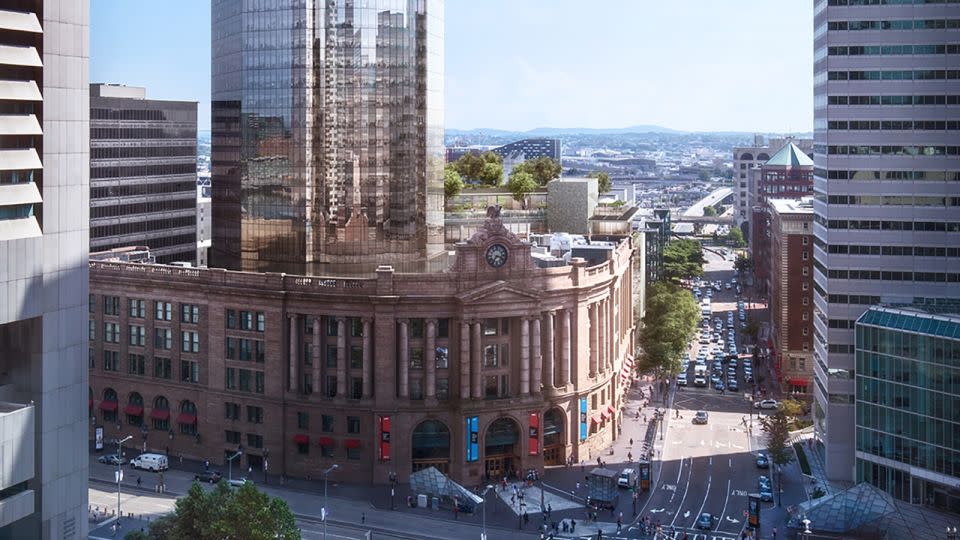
(473, 438)
(583, 419)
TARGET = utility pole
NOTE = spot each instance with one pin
(323, 512)
(230, 459)
(120, 473)
(483, 533)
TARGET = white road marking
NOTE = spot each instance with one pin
(730, 464)
(731, 520)
(686, 514)
(685, 489)
(725, 501)
(657, 510)
(706, 495)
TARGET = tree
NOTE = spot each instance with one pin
(542, 168)
(452, 182)
(777, 428)
(242, 514)
(491, 174)
(792, 408)
(682, 259)
(704, 175)
(521, 184)
(709, 211)
(735, 237)
(669, 324)
(603, 181)
(474, 167)
(743, 264)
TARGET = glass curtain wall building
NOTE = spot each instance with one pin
(908, 405)
(886, 181)
(327, 134)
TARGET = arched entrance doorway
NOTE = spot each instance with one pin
(554, 440)
(501, 448)
(431, 446)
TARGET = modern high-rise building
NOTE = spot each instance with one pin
(143, 173)
(886, 173)
(327, 135)
(908, 403)
(44, 189)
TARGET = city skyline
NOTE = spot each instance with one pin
(537, 50)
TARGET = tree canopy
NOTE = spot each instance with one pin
(486, 168)
(709, 211)
(521, 184)
(669, 324)
(452, 182)
(743, 263)
(244, 513)
(604, 184)
(735, 237)
(682, 259)
(543, 169)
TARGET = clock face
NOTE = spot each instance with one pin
(496, 255)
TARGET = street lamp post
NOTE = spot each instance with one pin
(483, 533)
(230, 459)
(323, 512)
(120, 472)
(393, 489)
(952, 533)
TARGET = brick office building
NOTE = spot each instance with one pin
(791, 292)
(498, 363)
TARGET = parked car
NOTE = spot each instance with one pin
(211, 477)
(762, 461)
(237, 482)
(150, 462)
(111, 459)
(732, 385)
(682, 379)
(701, 417)
(705, 521)
(767, 404)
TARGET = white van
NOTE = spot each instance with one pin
(150, 462)
(627, 478)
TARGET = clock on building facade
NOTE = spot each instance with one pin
(496, 255)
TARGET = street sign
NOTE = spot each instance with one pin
(99, 438)
(118, 476)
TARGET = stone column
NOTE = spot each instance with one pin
(430, 358)
(316, 358)
(524, 356)
(464, 360)
(341, 358)
(535, 358)
(294, 344)
(565, 345)
(594, 336)
(548, 346)
(367, 358)
(404, 385)
(602, 335)
(477, 361)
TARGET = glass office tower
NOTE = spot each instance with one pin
(327, 134)
(886, 176)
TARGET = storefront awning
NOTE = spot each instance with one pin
(352, 443)
(186, 418)
(300, 438)
(611, 410)
(798, 381)
(326, 441)
(108, 405)
(596, 419)
(160, 414)
(133, 410)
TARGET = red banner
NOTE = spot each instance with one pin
(384, 438)
(534, 434)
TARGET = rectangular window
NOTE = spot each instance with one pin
(232, 437)
(326, 451)
(416, 389)
(163, 311)
(356, 357)
(92, 330)
(260, 351)
(92, 358)
(416, 329)
(246, 352)
(189, 313)
(254, 414)
(231, 320)
(303, 420)
(254, 440)
(232, 411)
(416, 357)
(331, 356)
(326, 423)
(111, 361)
(353, 453)
(138, 308)
(443, 328)
(306, 384)
(443, 389)
(331, 325)
(490, 327)
(92, 303)
(353, 424)
(245, 380)
(189, 371)
(261, 321)
(356, 388)
(331, 388)
(492, 386)
(136, 365)
(258, 382)
(230, 348)
(138, 335)
(231, 379)
(111, 332)
(161, 368)
(190, 342)
(246, 320)
(356, 327)
(162, 339)
(111, 305)
(491, 356)
(442, 358)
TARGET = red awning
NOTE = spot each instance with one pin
(326, 441)
(133, 410)
(596, 419)
(186, 418)
(300, 438)
(604, 415)
(160, 414)
(352, 443)
(108, 405)
(611, 410)
(798, 381)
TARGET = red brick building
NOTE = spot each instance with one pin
(499, 363)
(786, 175)
(791, 292)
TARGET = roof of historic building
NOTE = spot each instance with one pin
(790, 156)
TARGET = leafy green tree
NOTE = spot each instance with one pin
(452, 182)
(521, 184)
(669, 324)
(735, 237)
(491, 174)
(777, 429)
(704, 175)
(743, 264)
(474, 167)
(242, 514)
(604, 184)
(792, 408)
(709, 211)
(682, 259)
(542, 168)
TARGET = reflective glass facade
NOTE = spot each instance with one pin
(327, 134)
(908, 405)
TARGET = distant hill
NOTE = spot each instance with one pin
(551, 131)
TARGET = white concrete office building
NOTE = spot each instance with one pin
(886, 183)
(44, 214)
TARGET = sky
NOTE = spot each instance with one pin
(695, 65)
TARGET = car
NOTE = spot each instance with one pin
(767, 404)
(763, 462)
(210, 476)
(701, 417)
(715, 379)
(732, 385)
(111, 459)
(699, 381)
(237, 482)
(743, 325)
(748, 378)
(763, 481)
(705, 521)
(682, 379)
(727, 286)
(718, 385)
(766, 494)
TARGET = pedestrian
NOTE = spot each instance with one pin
(631, 441)
(138, 480)
(513, 499)
(578, 486)
(599, 533)
(549, 509)
(363, 517)
(206, 465)
(181, 458)
(526, 517)
(573, 525)
(456, 512)
(774, 533)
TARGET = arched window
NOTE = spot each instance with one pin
(762, 157)
(187, 418)
(109, 405)
(746, 156)
(134, 409)
(430, 446)
(160, 415)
